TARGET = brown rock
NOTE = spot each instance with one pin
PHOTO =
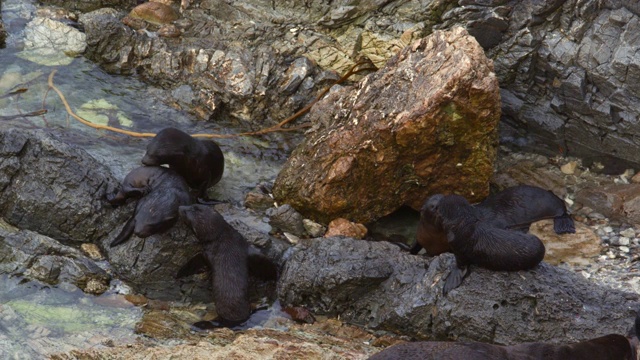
(155, 13)
(424, 124)
(617, 201)
(92, 251)
(346, 228)
(574, 249)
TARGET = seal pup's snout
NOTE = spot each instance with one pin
(149, 160)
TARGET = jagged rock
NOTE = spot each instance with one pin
(616, 201)
(375, 284)
(566, 69)
(567, 73)
(53, 188)
(286, 219)
(88, 5)
(424, 124)
(51, 42)
(34, 256)
(313, 228)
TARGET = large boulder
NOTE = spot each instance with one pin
(53, 188)
(375, 284)
(426, 123)
(55, 192)
(566, 68)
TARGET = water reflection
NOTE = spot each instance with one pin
(37, 319)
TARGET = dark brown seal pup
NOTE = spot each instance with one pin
(609, 347)
(479, 242)
(513, 208)
(519, 206)
(226, 252)
(199, 162)
(161, 192)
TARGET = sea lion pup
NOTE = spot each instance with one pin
(608, 347)
(161, 192)
(199, 162)
(226, 252)
(519, 206)
(479, 242)
(430, 235)
(513, 208)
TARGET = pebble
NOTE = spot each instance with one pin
(313, 228)
(624, 249)
(629, 232)
(624, 241)
(607, 229)
(569, 168)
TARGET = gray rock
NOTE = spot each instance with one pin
(53, 188)
(88, 5)
(25, 253)
(313, 228)
(375, 284)
(286, 219)
(567, 69)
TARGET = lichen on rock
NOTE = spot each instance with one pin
(425, 123)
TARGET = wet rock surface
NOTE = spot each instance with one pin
(38, 257)
(566, 70)
(376, 285)
(53, 188)
(326, 340)
(427, 117)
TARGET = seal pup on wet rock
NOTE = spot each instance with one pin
(608, 347)
(513, 208)
(199, 162)
(476, 241)
(226, 252)
(160, 191)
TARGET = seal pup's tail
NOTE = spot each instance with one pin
(563, 224)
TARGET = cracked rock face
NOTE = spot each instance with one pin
(54, 189)
(377, 285)
(569, 74)
(567, 69)
(426, 123)
(35, 256)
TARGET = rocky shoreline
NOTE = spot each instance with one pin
(438, 93)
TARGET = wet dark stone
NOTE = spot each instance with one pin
(379, 286)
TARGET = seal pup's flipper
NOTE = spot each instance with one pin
(125, 193)
(564, 224)
(415, 248)
(216, 324)
(198, 264)
(126, 232)
(454, 279)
